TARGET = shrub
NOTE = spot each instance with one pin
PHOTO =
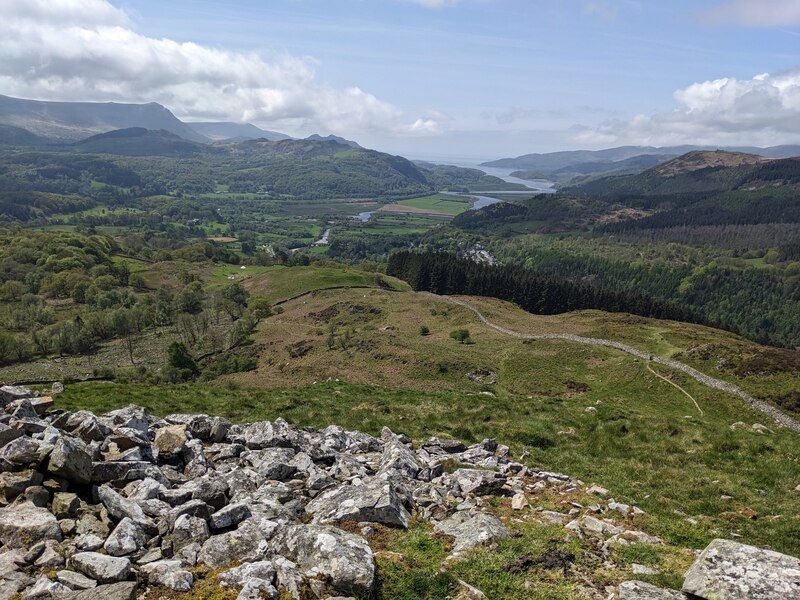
(423, 330)
(461, 336)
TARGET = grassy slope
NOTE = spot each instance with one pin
(646, 441)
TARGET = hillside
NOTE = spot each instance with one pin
(699, 172)
(136, 141)
(17, 136)
(73, 121)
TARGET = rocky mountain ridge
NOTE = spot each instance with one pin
(128, 503)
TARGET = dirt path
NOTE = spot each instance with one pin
(769, 410)
(672, 383)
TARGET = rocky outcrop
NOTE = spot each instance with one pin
(103, 504)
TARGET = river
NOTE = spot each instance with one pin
(541, 186)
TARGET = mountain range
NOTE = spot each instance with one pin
(575, 166)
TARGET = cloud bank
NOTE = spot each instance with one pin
(764, 110)
(89, 50)
(755, 13)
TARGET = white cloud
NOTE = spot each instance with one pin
(764, 110)
(755, 13)
(88, 50)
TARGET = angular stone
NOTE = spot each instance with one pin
(10, 393)
(23, 453)
(170, 440)
(519, 501)
(169, 574)
(102, 568)
(120, 508)
(273, 463)
(639, 590)
(734, 571)
(69, 460)
(397, 461)
(114, 591)
(479, 481)
(13, 484)
(114, 471)
(345, 559)
(45, 588)
(65, 505)
(8, 434)
(202, 427)
(231, 515)
(470, 531)
(258, 589)
(23, 525)
(75, 581)
(189, 530)
(237, 545)
(375, 501)
(131, 416)
(238, 576)
(127, 538)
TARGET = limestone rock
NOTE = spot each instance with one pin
(375, 501)
(169, 574)
(238, 576)
(639, 590)
(75, 581)
(732, 571)
(127, 538)
(478, 481)
(102, 568)
(470, 531)
(170, 440)
(23, 525)
(114, 591)
(69, 460)
(344, 558)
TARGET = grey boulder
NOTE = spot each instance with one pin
(376, 501)
(127, 538)
(469, 531)
(345, 559)
(69, 460)
(732, 571)
(23, 525)
(102, 568)
(169, 574)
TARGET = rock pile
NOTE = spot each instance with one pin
(113, 504)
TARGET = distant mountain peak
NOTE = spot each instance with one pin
(333, 138)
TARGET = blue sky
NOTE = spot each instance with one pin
(480, 78)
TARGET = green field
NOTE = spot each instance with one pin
(440, 204)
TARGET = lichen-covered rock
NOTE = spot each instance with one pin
(23, 525)
(114, 591)
(344, 558)
(374, 501)
(478, 481)
(170, 440)
(170, 574)
(238, 576)
(237, 545)
(12, 484)
(127, 538)
(188, 530)
(75, 581)
(471, 530)
(119, 508)
(102, 568)
(202, 427)
(69, 460)
(231, 515)
(728, 570)
(639, 590)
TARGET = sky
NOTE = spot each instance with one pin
(475, 79)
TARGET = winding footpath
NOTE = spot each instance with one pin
(772, 412)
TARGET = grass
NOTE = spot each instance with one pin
(278, 283)
(643, 438)
(440, 204)
(644, 441)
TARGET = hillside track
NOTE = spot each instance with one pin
(773, 413)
